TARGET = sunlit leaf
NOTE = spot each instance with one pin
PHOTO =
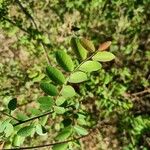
(78, 77)
(80, 130)
(68, 91)
(103, 56)
(90, 66)
(8, 129)
(60, 100)
(18, 140)
(59, 110)
(40, 130)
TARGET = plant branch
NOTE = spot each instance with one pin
(33, 118)
(26, 12)
(36, 27)
(8, 115)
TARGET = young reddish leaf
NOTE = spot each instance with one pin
(104, 46)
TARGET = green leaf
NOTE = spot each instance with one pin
(79, 50)
(49, 89)
(55, 75)
(87, 44)
(103, 56)
(22, 116)
(59, 110)
(9, 129)
(80, 130)
(25, 131)
(63, 146)
(64, 134)
(46, 102)
(17, 140)
(4, 124)
(65, 61)
(12, 105)
(90, 66)
(78, 77)
(68, 91)
(60, 100)
(40, 130)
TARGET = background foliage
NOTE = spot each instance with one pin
(118, 94)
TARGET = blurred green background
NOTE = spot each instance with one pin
(119, 92)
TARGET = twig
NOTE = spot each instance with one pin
(33, 118)
(50, 144)
(26, 12)
(141, 92)
(10, 116)
(135, 96)
(32, 19)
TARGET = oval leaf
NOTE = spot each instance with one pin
(90, 66)
(46, 102)
(9, 130)
(79, 50)
(25, 131)
(55, 75)
(68, 91)
(12, 105)
(104, 46)
(78, 77)
(60, 100)
(59, 110)
(40, 130)
(17, 140)
(65, 61)
(60, 146)
(49, 89)
(87, 44)
(80, 130)
(64, 134)
(103, 56)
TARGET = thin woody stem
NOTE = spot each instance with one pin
(33, 118)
